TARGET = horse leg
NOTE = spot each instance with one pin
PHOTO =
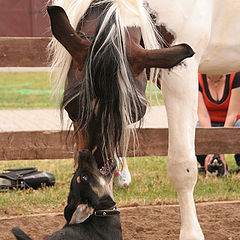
(180, 90)
(81, 142)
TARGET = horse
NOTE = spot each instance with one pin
(96, 91)
(117, 27)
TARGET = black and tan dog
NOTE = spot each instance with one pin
(90, 212)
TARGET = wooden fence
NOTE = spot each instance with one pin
(30, 52)
(23, 52)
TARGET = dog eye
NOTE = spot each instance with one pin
(84, 178)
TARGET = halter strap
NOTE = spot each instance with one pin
(88, 37)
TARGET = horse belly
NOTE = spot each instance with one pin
(221, 60)
(223, 51)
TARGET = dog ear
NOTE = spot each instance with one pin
(82, 212)
(69, 209)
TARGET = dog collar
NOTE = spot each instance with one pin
(106, 212)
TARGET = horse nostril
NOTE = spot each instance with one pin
(84, 151)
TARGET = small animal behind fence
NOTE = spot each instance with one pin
(216, 167)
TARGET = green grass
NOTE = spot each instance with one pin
(32, 90)
(41, 200)
(25, 90)
(149, 185)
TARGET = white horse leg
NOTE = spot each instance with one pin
(180, 90)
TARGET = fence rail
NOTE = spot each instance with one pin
(152, 142)
(23, 52)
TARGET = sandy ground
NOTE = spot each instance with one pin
(219, 221)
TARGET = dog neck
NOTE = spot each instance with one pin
(106, 207)
(105, 203)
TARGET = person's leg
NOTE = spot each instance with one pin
(237, 123)
(201, 160)
(122, 172)
(237, 155)
(237, 159)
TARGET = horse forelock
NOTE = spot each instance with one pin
(108, 79)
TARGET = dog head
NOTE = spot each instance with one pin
(216, 167)
(90, 188)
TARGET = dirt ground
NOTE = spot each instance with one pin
(219, 221)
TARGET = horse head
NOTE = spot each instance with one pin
(106, 81)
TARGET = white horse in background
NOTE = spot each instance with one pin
(212, 29)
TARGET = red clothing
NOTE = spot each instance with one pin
(217, 110)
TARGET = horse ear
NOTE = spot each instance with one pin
(65, 34)
(166, 57)
(157, 58)
(82, 212)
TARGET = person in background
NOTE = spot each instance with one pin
(218, 105)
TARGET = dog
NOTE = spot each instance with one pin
(90, 212)
(216, 167)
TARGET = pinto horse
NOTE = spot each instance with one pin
(106, 81)
(104, 74)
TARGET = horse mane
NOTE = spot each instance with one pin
(118, 102)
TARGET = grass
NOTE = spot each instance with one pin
(32, 90)
(41, 200)
(25, 90)
(149, 185)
